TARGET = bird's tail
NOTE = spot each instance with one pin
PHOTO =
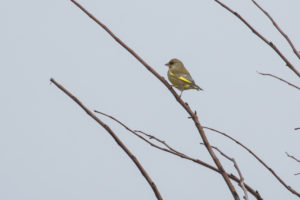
(197, 87)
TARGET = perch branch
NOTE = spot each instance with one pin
(177, 97)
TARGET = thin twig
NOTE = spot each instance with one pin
(175, 152)
(265, 74)
(136, 134)
(118, 141)
(157, 139)
(257, 158)
(242, 180)
(293, 157)
(273, 46)
(296, 128)
(278, 28)
(177, 97)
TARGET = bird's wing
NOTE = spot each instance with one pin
(185, 78)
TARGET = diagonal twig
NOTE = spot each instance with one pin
(158, 140)
(118, 141)
(265, 74)
(177, 97)
(293, 157)
(175, 152)
(257, 158)
(272, 45)
(278, 28)
(242, 180)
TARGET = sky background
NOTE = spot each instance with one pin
(51, 149)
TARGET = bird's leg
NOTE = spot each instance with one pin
(180, 93)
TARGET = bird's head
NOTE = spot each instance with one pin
(173, 63)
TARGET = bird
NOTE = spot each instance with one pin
(179, 76)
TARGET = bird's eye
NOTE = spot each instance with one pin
(171, 62)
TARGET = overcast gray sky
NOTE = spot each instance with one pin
(50, 149)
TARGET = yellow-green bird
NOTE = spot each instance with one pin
(180, 77)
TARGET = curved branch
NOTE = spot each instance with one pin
(177, 97)
(175, 152)
(118, 141)
(273, 46)
(278, 28)
(259, 160)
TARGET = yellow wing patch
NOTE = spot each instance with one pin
(181, 78)
(184, 79)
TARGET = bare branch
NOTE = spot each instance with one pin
(264, 74)
(118, 141)
(175, 152)
(257, 158)
(279, 29)
(141, 137)
(288, 155)
(273, 46)
(297, 128)
(242, 183)
(177, 97)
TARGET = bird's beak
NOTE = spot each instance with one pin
(167, 64)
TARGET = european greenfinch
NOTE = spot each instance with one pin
(180, 77)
